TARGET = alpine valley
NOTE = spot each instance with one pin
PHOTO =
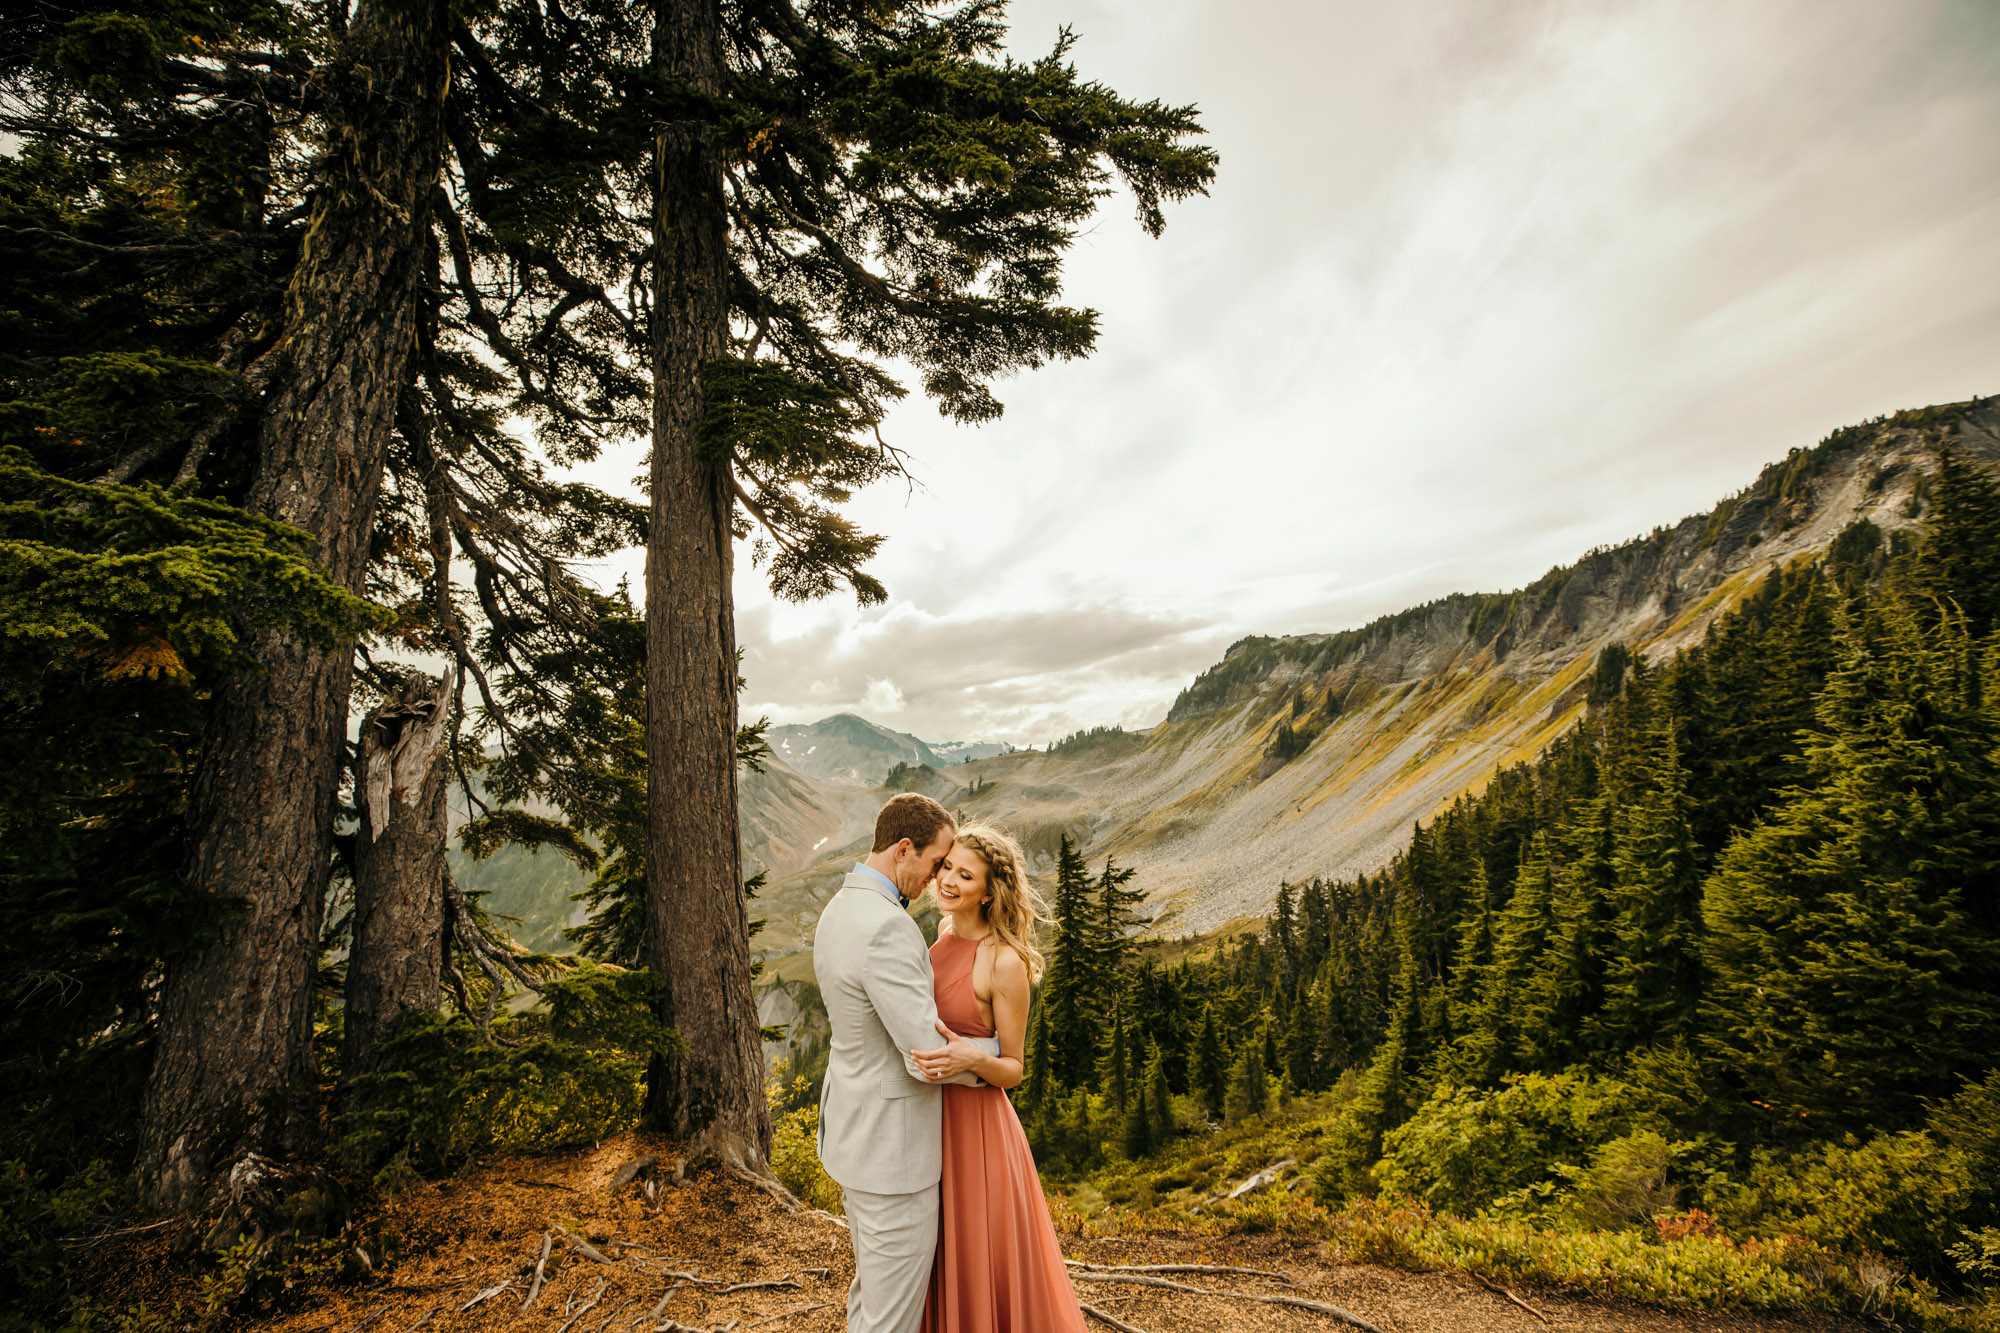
(1313, 755)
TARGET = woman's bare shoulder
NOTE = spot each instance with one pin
(1009, 967)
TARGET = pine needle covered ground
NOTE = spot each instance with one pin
(719, 1250)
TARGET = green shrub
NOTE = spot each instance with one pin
(1625, 1183)
(1913, 1196)
(795, 1160)
(570, 1074)
(1464, 1150)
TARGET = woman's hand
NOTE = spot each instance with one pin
(950, 1060)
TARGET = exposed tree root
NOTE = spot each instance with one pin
(787, 1314)
(1296, 1302)
(1178, 1268)
(585, 1248)
(595, 1297)
(1112, 1320)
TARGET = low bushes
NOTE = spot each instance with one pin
(568, 1072)
(795, 1160)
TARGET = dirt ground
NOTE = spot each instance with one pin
(716, 1253)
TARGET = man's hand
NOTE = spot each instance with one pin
(955, 1057)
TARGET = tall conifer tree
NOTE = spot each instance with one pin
(1856, 962)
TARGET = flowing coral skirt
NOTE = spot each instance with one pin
(998, 1267)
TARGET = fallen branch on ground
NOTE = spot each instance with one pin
(423, 1319)
(486, 1295)
(548, 1243)
(688, 1278)
(787, 1314)
(1499, 1290)
(615, 1313)
(1178, 1268)
(595, 1297)
(1296, 1302)
(1267, 1176)
(585, 1248)
(1112, 1320)
(791, 1281)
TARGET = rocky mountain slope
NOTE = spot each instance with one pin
(848, 749)
(1313, 754)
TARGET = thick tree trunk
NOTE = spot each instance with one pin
(233, 1068)
(397, 954)
(696, 921)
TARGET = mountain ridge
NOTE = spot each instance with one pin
(1313, 754)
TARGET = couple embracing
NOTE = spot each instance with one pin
(950, 1231)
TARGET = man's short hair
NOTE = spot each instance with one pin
(910, 815)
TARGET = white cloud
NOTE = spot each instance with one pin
(1480, 286)
(882, 699)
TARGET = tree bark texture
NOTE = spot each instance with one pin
(233, 1069)
(397, 954)
(697, 937)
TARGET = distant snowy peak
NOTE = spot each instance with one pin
(963, 752)
(848, 748)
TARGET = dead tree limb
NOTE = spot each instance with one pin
(595, 1297)
(787, 1314)
(1505, 1294)
(615, 1313)
(1178, 1268)
(793, 1283)
(548, 1243)
(1110, 1319)
(585, 1248)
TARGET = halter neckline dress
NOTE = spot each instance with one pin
(998, 1267)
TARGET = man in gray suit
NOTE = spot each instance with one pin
(879, 1118)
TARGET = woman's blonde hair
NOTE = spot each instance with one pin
(1015, 906)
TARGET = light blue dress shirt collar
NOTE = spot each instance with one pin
(881, 883)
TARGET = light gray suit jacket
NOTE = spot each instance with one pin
(879, 1119)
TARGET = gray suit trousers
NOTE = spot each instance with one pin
(895, 1239)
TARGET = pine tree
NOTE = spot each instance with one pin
(1472, 956)
(1111, 1066)
(1249, 1092)
(233, 1063)
(1564, 988)
(1958, 563)
(1303, 1041)
(1854, 973)
(1157, 1096)
(1315, 926)
(1035, 1077)
(1652, 984)
(1070, 985)
(804, 229)
(1136, 1133)
(1492, 1032)
(1210, 1074)
(1117, 921)
(1284, 938)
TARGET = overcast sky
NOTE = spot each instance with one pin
(1480, 285)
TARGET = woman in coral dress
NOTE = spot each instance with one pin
(998, 1267)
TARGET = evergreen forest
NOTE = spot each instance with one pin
(1725, 959)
